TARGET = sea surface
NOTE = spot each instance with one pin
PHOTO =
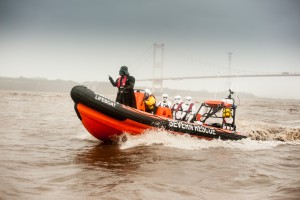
(45, 153)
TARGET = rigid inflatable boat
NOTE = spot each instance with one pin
(107, 120)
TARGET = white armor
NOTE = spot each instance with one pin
(189, 109)
(177, 108)
(165, 102)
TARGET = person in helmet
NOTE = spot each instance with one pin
(177, 108)
(165, 102)
(125, 85)
(150, 101)
(189, 110)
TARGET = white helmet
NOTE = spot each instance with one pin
(188, 100)
(177, 99)
(147, 91)
(164, 96)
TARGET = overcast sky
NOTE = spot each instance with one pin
(87, 40)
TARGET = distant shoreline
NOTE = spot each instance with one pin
(45, 85)
(63, 86)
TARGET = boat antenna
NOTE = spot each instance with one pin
(236, 91)
(230, 93)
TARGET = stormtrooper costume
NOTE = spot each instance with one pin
(177, 108)
(165, 102)
(189, 110)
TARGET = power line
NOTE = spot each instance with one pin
(284, 74)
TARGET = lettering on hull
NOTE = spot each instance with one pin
(191, 127)
(105, 100)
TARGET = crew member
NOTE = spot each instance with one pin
(177, 108)
(125, 85)
(189, 110)
(165, 102)
(150, 101)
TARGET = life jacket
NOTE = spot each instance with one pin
(123, 82)
(152, 106)
(190, 108)
(178, 107)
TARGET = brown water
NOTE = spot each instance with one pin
(47, 154)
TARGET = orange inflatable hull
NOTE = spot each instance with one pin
(104, 127)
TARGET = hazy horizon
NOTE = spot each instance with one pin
(89, 40)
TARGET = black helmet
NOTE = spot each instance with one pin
(124, 70)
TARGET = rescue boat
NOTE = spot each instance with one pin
(108, 120)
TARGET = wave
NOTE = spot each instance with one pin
(187, 142)
(275, 133)
(269, 132)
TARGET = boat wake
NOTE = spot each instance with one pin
(187, 142)
(263, 136)
(269, 132)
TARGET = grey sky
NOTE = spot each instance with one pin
(87, 40)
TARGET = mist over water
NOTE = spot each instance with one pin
(47, 154)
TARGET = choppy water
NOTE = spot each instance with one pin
(45, 153)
